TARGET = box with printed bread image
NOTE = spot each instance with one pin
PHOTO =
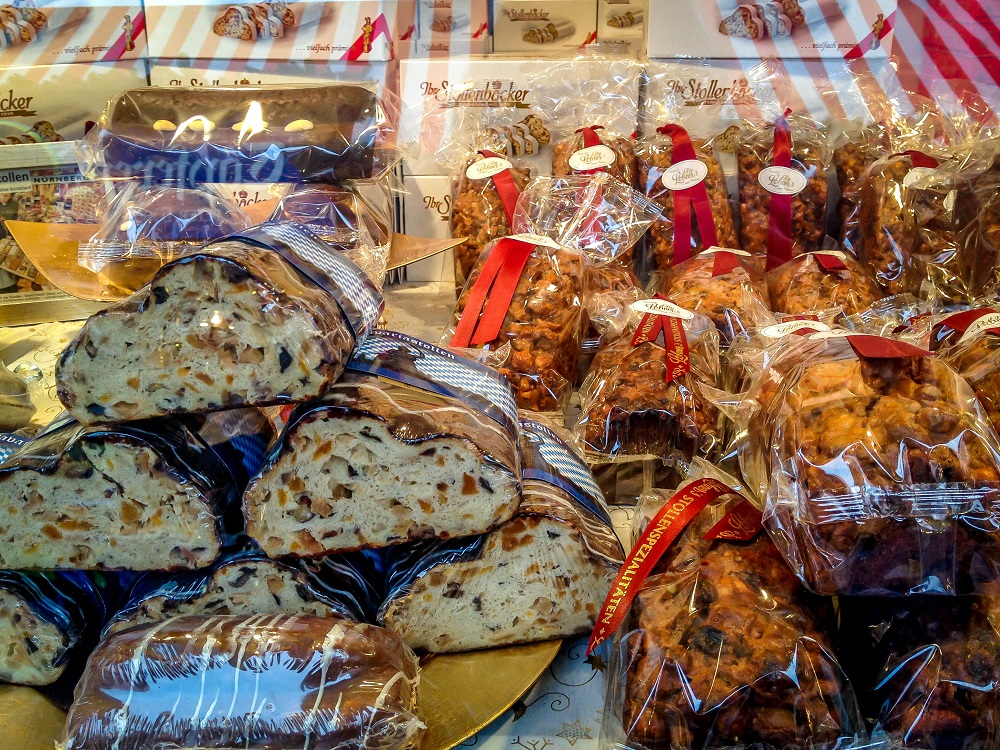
(539, 27)
(52, 32)
(771, 28)
(623, 23)
(460, 19)
(280, 31)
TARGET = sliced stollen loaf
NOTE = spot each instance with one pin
(42, 618)
(271, 681)
(146, 495)
(266, 316)
(414, 442)
(245, 582)
(541, 575)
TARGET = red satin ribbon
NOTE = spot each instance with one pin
(876, 347)
(695, 197)
(723, 263)
(960, 322)
(829, 262)
(920, 159)
(590, 137)
(662, 531)
(779, 228)
(506, 188)
(741, 524)
(492, 293)
(676, 354)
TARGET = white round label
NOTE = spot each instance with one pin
(485, 168)
(991, 320)
(839, 333)
(780, 330)
(716, 249)
(916, 174)
(684, 174)
(782, 180)
(661, 307)
(536, 239)
(593, 157)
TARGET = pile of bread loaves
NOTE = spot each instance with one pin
(262, 584)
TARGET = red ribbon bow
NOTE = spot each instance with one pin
(506, 188)
(695, 197)
(779, 228)
(677, 353)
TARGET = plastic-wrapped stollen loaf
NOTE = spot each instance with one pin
(541, 575)
(250, 319)
(275, 682)
(137, 496)
(241, 583)
(42, 618)
(413, 443)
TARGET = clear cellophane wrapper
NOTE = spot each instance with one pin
(879, 472)
(804, 286)
(855, 149)
(628, 409)
(736, 301)
(228, 681)
(926, 668)
(723, 648)
(810, 157)
(355, 219)
(142, 228)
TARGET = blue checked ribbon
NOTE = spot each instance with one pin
(9, 444)
(561, 467)
(440, 371)
(358, 298)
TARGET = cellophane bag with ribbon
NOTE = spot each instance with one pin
(928, 669)
(856, 147)
(728, 286)
(355, 219)
(824, 280)
(487, 177)
(540, 575)
(142, 228)
(265, 316)
(645, 399)
(677, 165)
(722, 647)
(593, 100)
(277, 682)
(879, 467)
(537, 302)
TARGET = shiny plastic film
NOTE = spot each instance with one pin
(408, 415)
(266, 316)
(143, 228)
(856, 148)
(541, 575)
(355, 219)
(728, 287)
(878, 465)
(274, 682)
(813, 282)
(305, 133)
(132, 496)
(722, 647)
(643, 398)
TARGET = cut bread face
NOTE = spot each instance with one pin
(347, 478)
(534, 581)
(106, 505)
(208, 333)
(242, 587)
(32, 650)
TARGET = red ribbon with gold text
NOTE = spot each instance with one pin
(506, 187)
(491, 295)
(829, 262)
(661, 532)
(779, 227)
(677, 354)
(877, 347)
(960, 323)
(695, 197)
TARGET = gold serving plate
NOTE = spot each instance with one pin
(459, 695)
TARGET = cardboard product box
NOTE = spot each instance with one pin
(539, 27)
(426, 213)
(290, 31)
(54, 32)
(257, 73)
(469, 19)
(444, 46)
(438, 94)
(623, 23)
(790, 29)
(59, 102)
